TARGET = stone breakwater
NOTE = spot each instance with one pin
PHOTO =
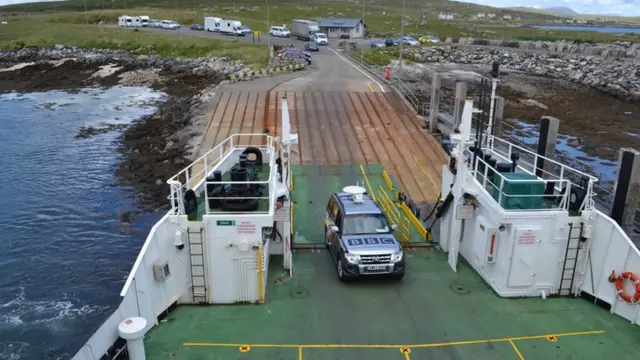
(205, 66)
(620, 78)
(618, 49)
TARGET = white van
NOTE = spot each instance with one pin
(125, 21)
(279, 31)
(212, 23)
(232, 27)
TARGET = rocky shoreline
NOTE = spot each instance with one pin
(153, 148)
(620, 78)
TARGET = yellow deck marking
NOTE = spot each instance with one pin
(371, 87)
(406, 351)
(515, 348)
(299, 352)
(388, 346)
(552, 338)
(244, 348)
(366, 179)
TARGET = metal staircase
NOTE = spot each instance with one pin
(570, 261)
(196, 262)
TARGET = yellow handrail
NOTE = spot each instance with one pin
(366, 180)
(260, 276)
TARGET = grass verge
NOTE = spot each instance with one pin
(24, 33)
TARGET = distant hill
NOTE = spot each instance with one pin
(561, 10)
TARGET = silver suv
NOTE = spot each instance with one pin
(359, 237)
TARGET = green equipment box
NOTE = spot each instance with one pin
(531, 191)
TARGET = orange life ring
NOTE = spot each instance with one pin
(631, 299)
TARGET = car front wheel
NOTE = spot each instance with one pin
(340, 270)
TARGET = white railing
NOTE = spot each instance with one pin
(552, 171)
(194, 175)
(270, 183)
(486, 175)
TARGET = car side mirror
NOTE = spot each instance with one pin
(394, 227)
(334, 229)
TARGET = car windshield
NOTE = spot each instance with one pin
(364, 224)
(321, 36)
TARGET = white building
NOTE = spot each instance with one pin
(337, 28)
(446, 16)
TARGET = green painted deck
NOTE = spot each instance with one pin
(436, 313)
(313, 185)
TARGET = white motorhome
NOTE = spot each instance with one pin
(125, 21)
(212, 23)
(141, 21)
(232, 27)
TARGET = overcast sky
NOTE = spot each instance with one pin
(10, 2)
(608, 7)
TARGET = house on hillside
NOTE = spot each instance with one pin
(491, 16)
(338, 28)
(481, 16)
(507, 17)
(446, 16)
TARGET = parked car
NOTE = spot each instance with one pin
(154, 23)
(245, 29)
(320, 38)
(389, 41)
(170, 24)
(428, 39)
(311, 46)
(291, 53)
(377, 44)
(197, 27)
(360, 239)
(279, 31)
(408, 40)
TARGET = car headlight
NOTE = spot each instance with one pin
(352, 258)
(397, 256)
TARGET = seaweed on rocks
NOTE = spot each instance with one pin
(154, 147)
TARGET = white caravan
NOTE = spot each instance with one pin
(232, 27)
(141, 21)
(212, 23)
(125, 21)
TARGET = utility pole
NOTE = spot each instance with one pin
(268, 34)
(401, 36)
(86, 19)
(364, 2)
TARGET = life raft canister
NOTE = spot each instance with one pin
(619, 282)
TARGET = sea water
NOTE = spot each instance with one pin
(64, 252)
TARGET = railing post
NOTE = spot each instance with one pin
(461, 97)
(497, 116)
(626, 194)
(435, 102)
(546, 142)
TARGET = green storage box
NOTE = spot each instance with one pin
(534, 186)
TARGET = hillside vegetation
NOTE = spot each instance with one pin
(45, 24)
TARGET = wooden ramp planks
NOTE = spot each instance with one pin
(341, 128)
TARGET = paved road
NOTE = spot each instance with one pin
(264, 39)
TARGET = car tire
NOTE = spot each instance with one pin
(340, 271)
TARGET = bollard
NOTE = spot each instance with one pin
(133, 330)
(626, 194)
(387, 74)
(546, 143)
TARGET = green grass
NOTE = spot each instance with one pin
(24, 33)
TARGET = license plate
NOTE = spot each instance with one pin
(376, 268)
